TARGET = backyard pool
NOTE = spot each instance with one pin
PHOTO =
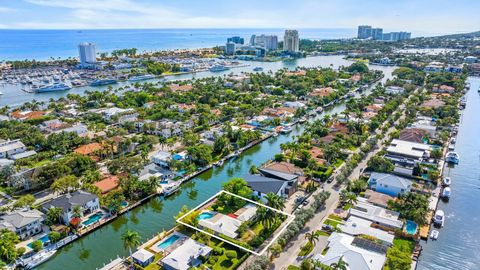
(44, 240)
(411, 227)
(205, 215)
(168, 242)
(92, 219)
(124, 204)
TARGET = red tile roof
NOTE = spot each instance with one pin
(107, 184)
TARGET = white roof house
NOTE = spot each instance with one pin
(389, 184)
(364, 209)
(186, 256)
(342, 246)
(409, 149)
(223, 224)
(8, 148)
(143, 257)
(394, 90)
(162, 158)
(356, 226)
(247, 212)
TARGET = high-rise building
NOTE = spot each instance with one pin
(396, 36)
(377, 33)
(364, 31)
(252, 40)
(236, 40)
(269, 42)
(87, 54)
(291, 41)
(230, 48)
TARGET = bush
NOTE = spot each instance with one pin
(37, 245)
(231, 254)
(218, 251)
(54, 236)
(21, 251)
(279, 157)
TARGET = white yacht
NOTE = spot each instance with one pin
(40, 258)
(439, 218)
(452, 157)
(447, 181)
(286, 129)
(446, 193)
(434, 234)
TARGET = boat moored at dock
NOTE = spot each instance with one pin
(54, 87)
(452, 157)
(101, 82)
(439, 218)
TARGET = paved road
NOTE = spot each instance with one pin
(289, 255)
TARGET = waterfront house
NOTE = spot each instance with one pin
(294, 104)
(25, 223)
(222, 224)
(358, 253)
(377, 198)
(262, 185)
(80, 129)
(87, 202)
(107, 184)
(11, 148)
(434, 67)
(180, 88)
(373, 108)
(426, 124)
(380, 216)
(143, 257)
(433, 103)
(321, 92)
(399, 149)
(356, 226)
(389, 184)
(415, 135)
(186, 256)
(162, 158)
(27, 115)
(443, 89)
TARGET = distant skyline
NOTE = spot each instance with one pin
(421, 17)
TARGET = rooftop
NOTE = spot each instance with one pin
(366, 210)
(187, 255)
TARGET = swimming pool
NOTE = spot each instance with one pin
(92, 219)
(124, 204)
(205, 215)
(169, 241)
(44, 239)
(411, 227)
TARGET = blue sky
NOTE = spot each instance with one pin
(421, 16)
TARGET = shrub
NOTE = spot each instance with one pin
(54, 236)
(37, 245)
(218, 251)
(21, 251)
(231, 254)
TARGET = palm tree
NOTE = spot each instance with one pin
(265, 216)
(54, 214)
(312, 238)
(340, 265)
(351, 198)
(130, 239)
(77, 211)
(275, 201)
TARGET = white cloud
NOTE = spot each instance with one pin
(5, 9)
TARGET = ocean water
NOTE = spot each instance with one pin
(46, 44)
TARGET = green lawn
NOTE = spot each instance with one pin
(332, 223)
(293, 267)
(404, 245)
(154, 265)
(322, 233)
(306, 249)
(335, 217)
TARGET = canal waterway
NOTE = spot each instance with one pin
(13, 95)
(458, 245)
(104, 244)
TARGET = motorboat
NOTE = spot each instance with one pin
(439, 218)
(286, 129)
(452, 157)
(101, 82)
(54, 87)
(446, 193)
(218, 68)
(451, 147)
(141, 78)
(447, 181)
(40, 258)
(434, 234)
(302, 120)
(219, 163)
(453, 141)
